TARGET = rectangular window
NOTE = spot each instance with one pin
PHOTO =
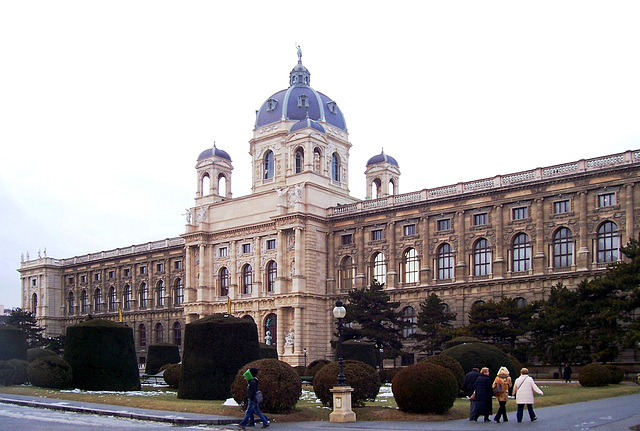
(246, 248)
(177, 264)
(606, 200)
(444, 224)
(34, 281)
(96, 276)
(480, 219)
(143, 270)
(347, 239)
(409, 229)
(520, 213)
(376, 235)
(112, 274)
(160, 267)
(561, 207)
(271, 244)
(224, 252)
(83, 278)
(127, 272)
(70, 281)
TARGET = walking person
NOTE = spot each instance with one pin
(566, 373)
(484, 396)
(253, 404)
(470, 386)
(523, 389)
(502, 381)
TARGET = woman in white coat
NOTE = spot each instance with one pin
(523, 389)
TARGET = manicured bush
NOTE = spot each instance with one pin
(159, 355)
(363, 378)
(280, 385)
(594, 375)
(359, 350)
(268, 351)
(387, 374)
(460, 340)
(102, 356)
(215, 348)
(450, 364)
(13, 343)
(425, 388)
(617, 375)
(13, 372)
(316, 366)
(172, 375)
(50, 372)
(484, 355)
(301, 370)
(37, 353)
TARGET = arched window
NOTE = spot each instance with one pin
(97, 300)
(142, 335)
(34, 303)
(521, 302)
(205, 184)
(392, 188)
(521, 253)
(127, 297)
(84, 302)
(177, 333)
(272, 273)
(178, 290)
(608, 243)
(409, 317)
(159, 333)
(270, 330)
(335, 167)
(223, 277)
(144, 295)
(410, 266)
(112, 299)
(562, 248)
(299, 160)
(445, 262)
(376, 188)
(379, 268)
(268, 165)
(247, 279)
(72, 303)
(160, 293)
(481, 257)
(222, 185)
(317, 157)
(347, 272)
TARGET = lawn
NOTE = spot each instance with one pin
(309, 409)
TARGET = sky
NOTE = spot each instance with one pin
(106, 105)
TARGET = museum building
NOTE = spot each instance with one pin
(284, 254)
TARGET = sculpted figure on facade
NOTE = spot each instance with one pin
(288, 339)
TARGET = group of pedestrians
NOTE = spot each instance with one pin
(481, 391)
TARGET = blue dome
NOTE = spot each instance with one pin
(307, 122)
(214, 152)
(380, 158)
(300, 101)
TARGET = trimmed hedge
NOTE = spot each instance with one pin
(460, 340)
(316, 366)
(13, 343)
(50, 372)
(159, 355)
(102, 356)
(172, 374)
(280, 385)
(594, 375)
(617, 375)
(268, 351)
(450, 364)
(37, 353)
(215, 348)
(425, 388)
(358, 350)
(362, 377)
(301, 370)
(13, 372)
(484, 355)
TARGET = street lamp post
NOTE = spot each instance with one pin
(305, 357)
(339, 312)
(381, 358)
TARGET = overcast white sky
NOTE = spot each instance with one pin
(105, 105)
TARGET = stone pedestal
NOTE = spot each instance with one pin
(342, 405)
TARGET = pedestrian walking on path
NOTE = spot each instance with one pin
(523, 389)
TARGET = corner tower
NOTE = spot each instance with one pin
(300, 135)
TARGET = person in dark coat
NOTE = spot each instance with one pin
(470, 380)
(253, 406)
(484, 396)
(566, 373)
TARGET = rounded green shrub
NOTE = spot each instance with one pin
(159, 355)
(617, 375)
(102, 356)
(268, 351)
(301, 370)
(315, 366)
(363, 378)
(425, 388)
(484, 355)
(594, 375)
(460, 340)
(450, 364)
(13, 343)
(280, 385)
(171, 375)
(37, 353)
(13, 372)
(215, 348)
(50, 372)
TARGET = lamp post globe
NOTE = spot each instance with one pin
(339, 312)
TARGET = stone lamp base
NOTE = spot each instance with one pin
(342, 405)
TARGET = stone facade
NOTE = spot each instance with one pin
(285, 253)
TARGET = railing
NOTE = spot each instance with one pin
(538, 174)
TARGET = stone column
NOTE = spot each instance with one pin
(281, 279)
(425, 258)
(539, 263)
(331, 264)
(298, 276)
(202, 273)
(461, 274)
(583, 251)
(257, 281)
(392, 270)
(234, 291)
(630, 230)
(498, 262)
(297, 330)
(361, 276)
